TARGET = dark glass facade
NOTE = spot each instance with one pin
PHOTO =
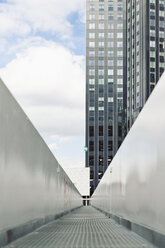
(145, 52)
(105, 83)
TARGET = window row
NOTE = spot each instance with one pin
(101, 81)
(153, 34)
(110, 17)
(109, 35)
(102, 26)
(107, 54)
(101, 72)
(109, 44)
(101, 7)
(102, 63)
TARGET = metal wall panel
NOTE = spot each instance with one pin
(32, 184)
(134, 184)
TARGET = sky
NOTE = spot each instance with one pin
(42, 62)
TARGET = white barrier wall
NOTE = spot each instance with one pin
(133, 186)
(32, 184)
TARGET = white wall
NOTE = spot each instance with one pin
(31, 186)
(134, 184)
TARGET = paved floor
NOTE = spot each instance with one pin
(83, 228)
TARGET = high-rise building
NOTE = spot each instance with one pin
(145, 52)
(105, 83)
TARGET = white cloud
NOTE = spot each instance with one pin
(49, 83)
(2, 44)
(20, 17)
(46, 78)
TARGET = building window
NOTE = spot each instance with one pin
(91, 25)
(110, 53)
(101, 25)
(91, 81)
(92, 7)
(100, 72)
(152, 43)
(110, 17)
(101, 53)
(119, 35)
(161, 34)
(110, 26)
(91, 53)
(91, 72)
(119, 53)
(91, 63)
(120, 8)
(101, 108)
(101, 35)
(91, 17)
(91, 162)
(110, 35)
(101, 44)
(110, 72)
(119, 44)
(101, 81)
(91, 145)
(100, 160)
(110, 99)
(110, 148)
(152, 64)
(110, 63)
(110, 130)
(101, 7)
(110, 8)
(120, 63)
(101, 63)
(91, 35)
(152, 33)
(101, 145)
(110, 44)
(119, 81)
(120, 17)
(119, 90)
(119, 26)
(161, 24)
(119, 72)
(101, 17)
(152, 22)
(91, 44)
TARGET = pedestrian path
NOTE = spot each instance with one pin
(85, 227)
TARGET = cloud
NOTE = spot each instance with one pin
(46, 78)
(22, 17)
(48, 81)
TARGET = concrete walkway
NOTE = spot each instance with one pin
(83, 228)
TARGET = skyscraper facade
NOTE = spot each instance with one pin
(145, 52)
(106, 74)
